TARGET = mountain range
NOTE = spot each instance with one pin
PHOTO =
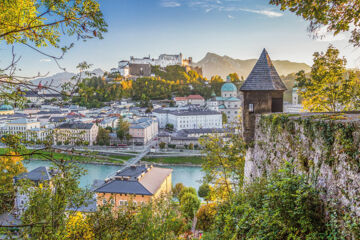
(58, 79)
(213, 64)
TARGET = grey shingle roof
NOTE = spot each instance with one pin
(263, 76)
(123, 187)
(137, 180)
(76, 125)
(36, 175)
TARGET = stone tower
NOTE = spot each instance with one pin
(263, 92)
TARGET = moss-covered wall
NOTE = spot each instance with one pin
(326, 147)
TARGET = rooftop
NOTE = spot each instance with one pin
(137, 180)
(263, 76)
(76, 125)
(37, 175)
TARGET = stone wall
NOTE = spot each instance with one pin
(326, 147)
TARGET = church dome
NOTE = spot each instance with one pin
(6, 107)
(228, 87)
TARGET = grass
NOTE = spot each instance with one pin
(175, 160)
(84, 157)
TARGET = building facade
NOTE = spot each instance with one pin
(191, 99)
(138, 184)
(29, 128)
(72, 133)
(192, 118)
(229, 103)
(143, 130)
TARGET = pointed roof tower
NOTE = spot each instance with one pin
(263, 76)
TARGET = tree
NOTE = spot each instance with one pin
(206, 217)
(224, 118)
(189, 204)
(281, 206)
(78, 227)
(159, 219)
(169, 127)
(204, 191)
(108, 128)
(162, 145)
(103, 137)
(177, 189)
(122, 128)
(191, 146)
(329, 88)
(185, 190)
(38, 24)
(10, 166)
(48, 201)
(216, 82)
(223, 164)
(336, 16)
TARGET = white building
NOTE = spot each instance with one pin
(196, 118)
(29, 129)
(164, 60)
(229, 103)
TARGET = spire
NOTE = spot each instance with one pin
(263, 76)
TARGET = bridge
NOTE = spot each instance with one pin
(134, 160)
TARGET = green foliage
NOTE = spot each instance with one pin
(46, 209)
(93, 92)
(162, 145)
(10, 166)
(169, 127)
(283, 206)
(206, 217)
(189, 204)
(160, 219)
(177, 189)
(103, 137)
(204, 191)
(330, 87)
(185, 190)
(43, 22)
(224, 118)
(223, 164)
(122, 130)
(336, 16)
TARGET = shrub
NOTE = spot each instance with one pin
(189, 204)
(177, 189)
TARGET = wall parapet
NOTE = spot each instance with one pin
(324, 146)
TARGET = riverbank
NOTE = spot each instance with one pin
(178, 161)
(77, 156)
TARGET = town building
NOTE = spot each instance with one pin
(191, 118)
(229, 103)
(29, 129)
(71, 133)
(143, 130)
(263, 92)
(37, 176)
(191, 99)
(6, 109)
(139, 184)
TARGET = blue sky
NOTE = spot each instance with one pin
(236, 28)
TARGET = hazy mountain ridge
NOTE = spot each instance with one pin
(213, 64)
(58, 79)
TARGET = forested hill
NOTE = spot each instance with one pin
(213, 64)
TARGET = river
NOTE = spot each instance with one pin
(189, 176)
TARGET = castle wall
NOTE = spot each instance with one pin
(325, 147)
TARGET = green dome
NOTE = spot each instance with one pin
(6, 107)
(228, 87)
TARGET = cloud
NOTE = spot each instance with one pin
(170, 4)
(267, 13)
(323, 35)
(230, 16)
(45, 60)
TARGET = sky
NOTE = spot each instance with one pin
(236, 28)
